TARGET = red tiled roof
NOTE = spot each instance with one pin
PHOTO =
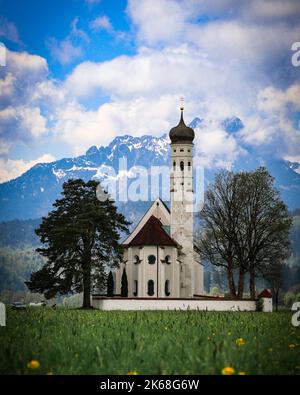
(265, 294)
(152, 233)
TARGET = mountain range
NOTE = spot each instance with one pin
(31, 195)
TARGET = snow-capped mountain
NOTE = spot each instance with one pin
(31, 195)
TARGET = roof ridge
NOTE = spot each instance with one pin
(152, 233)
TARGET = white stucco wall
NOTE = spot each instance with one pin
(267, 305)
(176, 304)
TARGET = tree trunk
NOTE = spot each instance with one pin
(231, 284)
(252, 284)
(241, 283)
(87, 286)
(276, 299)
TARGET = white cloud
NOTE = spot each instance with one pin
(70, 48)
(151, 73)
(272, 10)
(10, 169)
(64, 51)
(9, 31)
(216, 147)
(76, 32)
(235, 63)
(230, 33)
(21, 119)
(276, 99)
(21, 122)
(7, 85)
(32, 66)
(273, 124)
(101, 23)
(81, 128)
(159, 21)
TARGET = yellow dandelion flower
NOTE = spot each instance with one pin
(240, 341)
(229, 333)
(49, 373)
(292, 346)
(132, 373)
(242, 373)
(227, 371)
(270, 349)
(34, 364)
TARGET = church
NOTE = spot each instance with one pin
(159, 257)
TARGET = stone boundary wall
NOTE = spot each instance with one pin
(117, 303)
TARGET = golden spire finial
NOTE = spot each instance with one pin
(182, 103)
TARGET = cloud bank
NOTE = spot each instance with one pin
(227, 58)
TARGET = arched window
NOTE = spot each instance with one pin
(135, 289)
(167, 288)
(174, 165)
(136, 259)
(151, 259)
(181, 166)
(150, 287)
(189, 165)
(168, 260)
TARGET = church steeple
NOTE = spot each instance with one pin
(181, 182)
(181, 133)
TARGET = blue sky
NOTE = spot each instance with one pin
(39, 21)
(80, 72)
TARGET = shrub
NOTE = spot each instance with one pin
(289, 299)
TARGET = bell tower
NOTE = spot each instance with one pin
(181, 184)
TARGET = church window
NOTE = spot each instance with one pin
(136, 260)
(174, 150)
(182, 150)
(181, 166)
(189, 165)
(189, 150)
(150, 288)
(168, 260)
(174, 165)
(151, 259)
(135, 291)
(167, 288)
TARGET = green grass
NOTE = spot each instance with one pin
(70, 341)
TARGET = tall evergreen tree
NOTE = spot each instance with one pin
(124, 284)
(110, 284)
(81, 237)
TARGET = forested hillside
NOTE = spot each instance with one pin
(18, 257)
(19, 233)
(16, 265)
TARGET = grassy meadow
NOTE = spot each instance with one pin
(71, 341)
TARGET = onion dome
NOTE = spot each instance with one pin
(182, 133)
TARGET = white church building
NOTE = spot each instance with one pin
(163, 271)
(159, 256)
